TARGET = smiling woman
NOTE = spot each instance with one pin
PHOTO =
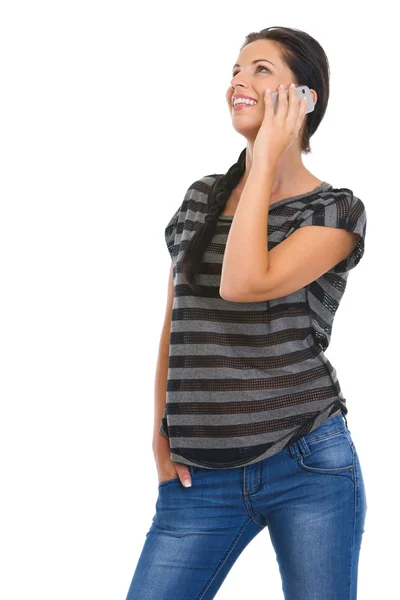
(251, 410)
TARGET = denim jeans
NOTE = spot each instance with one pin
(310, 496)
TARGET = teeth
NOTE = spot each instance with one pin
(243, 101)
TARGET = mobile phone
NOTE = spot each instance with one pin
(302, 90)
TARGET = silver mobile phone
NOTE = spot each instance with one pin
(302, 90)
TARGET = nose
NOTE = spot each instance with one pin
(238, 79)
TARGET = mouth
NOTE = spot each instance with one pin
(243, 106)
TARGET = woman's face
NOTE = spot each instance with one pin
(253, 80)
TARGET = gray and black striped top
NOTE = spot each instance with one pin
(247, 379)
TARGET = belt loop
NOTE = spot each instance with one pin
(299, 448)
(294, 450)
(304, 449)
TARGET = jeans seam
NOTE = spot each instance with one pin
(350, 439)
(354, 527)
(224, 559)
(336, 471)
(355, 481)
(324, 437)
(250, 510)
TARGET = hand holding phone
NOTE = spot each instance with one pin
(301, 90)
(276, 135)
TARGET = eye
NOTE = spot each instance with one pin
(259, 67)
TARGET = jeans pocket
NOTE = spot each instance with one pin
(332, 454)
(166, 481)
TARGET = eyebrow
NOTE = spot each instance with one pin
(256, 61)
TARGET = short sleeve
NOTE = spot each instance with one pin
(170, 232)
(195, 198)
(343, 210)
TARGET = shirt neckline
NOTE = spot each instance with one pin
(322, 186)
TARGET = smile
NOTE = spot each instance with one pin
(242, 106)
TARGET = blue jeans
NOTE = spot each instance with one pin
(310, 495)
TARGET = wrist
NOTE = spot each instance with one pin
(268, 165)
(160, 444)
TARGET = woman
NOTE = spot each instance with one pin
(249, 411)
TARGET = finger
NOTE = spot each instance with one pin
(183, 474)
(295, 108)
(301, 112)
(295, 113)
(268, 104)
(282, 110)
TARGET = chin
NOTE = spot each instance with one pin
(249, 130)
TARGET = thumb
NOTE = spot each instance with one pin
(183, 474)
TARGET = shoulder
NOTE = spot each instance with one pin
(197, 194)
(194, 201)
(339, 202)
(330, 194)
(205, 183)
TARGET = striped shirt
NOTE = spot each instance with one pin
(246, 379)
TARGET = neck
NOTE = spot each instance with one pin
(290, 170)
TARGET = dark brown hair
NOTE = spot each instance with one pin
(309, 64)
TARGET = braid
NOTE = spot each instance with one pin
(218, 197)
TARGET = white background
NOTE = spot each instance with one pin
(109, 111)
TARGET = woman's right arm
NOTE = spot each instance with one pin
(160, 442)
(167, 469)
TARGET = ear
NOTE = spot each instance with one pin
(314, 96)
